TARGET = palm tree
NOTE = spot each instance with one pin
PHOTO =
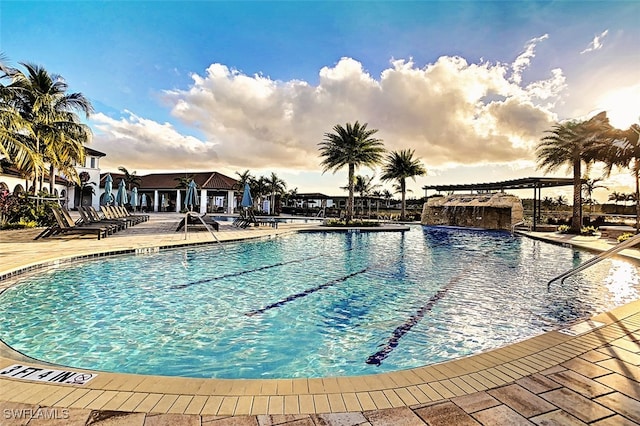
(244, 178)
(54, 131)
(15, 131)
(570, 144)
(588, 186)
(547, 203)
(387, 196)
(259, 188)
(616, 196)
(399, 166)
(560, 201)
(625, 152)
(277, 186)
(183, 181)
(131, 179)
(352, 146)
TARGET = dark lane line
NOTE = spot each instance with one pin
(235, 274)
(392, 342)
(304, 293)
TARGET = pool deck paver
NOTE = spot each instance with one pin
(555, 378)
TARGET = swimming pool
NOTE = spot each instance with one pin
(307, 304)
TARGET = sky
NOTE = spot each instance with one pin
(471, 86)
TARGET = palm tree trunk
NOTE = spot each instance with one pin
(52, 178)
(636, 172)
(403, 205)
(576, 220)
(349, 215)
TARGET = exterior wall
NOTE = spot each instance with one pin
(491, 211)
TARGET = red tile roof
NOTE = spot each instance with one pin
(206, 180)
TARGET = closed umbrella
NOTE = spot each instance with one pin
(108, 187)
(134, 198)
(190, 198)
(143, 202)
(121, 195)
(247, 201)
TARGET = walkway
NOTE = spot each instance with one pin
(588, 374)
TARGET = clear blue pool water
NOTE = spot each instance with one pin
(306, 305)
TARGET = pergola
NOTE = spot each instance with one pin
(535, 183)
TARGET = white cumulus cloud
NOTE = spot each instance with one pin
(450, 111)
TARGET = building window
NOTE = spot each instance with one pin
(93, 162)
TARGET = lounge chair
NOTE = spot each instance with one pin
(88, 219)
(65, 225)
(194, 220)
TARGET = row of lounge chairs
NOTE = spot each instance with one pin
(112, 219)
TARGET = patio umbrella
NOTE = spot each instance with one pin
(190, 198)
(134, 198)
(108, 187)
(121, 195)
(247, 201)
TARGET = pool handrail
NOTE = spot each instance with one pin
(206, 225)
(605, 254)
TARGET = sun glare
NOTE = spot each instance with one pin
(622, 106)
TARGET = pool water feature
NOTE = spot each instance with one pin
(307, 304)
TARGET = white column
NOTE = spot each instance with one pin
(156, 201)
(203, 201)
(230, 200)
(178, 201)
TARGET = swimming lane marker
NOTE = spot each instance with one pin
(304, 293)
(392, 342)
(48, 375)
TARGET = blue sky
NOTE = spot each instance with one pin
(229, 86)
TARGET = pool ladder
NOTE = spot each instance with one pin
(206, 225)
(621, 246)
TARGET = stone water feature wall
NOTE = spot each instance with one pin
(489, 211)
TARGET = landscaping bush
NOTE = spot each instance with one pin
(20, 211)
(624, 237)
(356, 222)
(588, 230)
(564, 229)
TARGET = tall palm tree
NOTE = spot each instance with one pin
(352, 146)
(277, 186)
(616, 196)
(399, 166)
(259, 188)
(15, 130)
(625, 152)
(570, 144)
(132, 179)
(244, 178)
(58, 135)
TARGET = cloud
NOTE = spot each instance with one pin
(445, 111)
(450, 111)
(523, 61)
(149, 144)
(596, 43)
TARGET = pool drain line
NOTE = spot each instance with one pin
(396, 335)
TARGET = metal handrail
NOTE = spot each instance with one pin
(186, 222)
(621, 246)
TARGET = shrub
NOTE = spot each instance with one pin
(588, 230)
(624, 237)
(564, 229)
(357, 222)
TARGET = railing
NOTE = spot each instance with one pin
(621, 246)
(186, 224)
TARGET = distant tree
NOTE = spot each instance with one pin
(352, 146)
(387, 195)
(244, 178)
(547, 203)
(560, 201)
(398, 166)
(182, 181)
(276, 186)
(588, 187)
(131, 179)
